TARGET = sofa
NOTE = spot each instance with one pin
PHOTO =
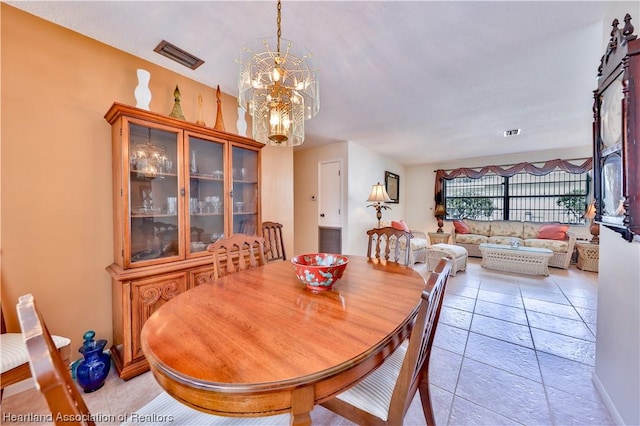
(418, 243)
(470, 234)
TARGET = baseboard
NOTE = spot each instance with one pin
(613, 411)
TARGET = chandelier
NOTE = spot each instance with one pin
(279, 88)
(148, 159)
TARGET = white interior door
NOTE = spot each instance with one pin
(330, 194)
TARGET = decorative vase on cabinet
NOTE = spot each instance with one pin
(92, 372)
(142, 92)
(170, 213)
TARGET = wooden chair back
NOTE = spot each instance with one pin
(236, 253)
(385, 243)
(274, 243)
(51, 375)
(414, 374)
(248, 227)
(406, 369)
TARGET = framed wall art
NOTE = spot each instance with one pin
(392, 185)
(616, 127)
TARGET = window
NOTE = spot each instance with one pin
(558, 196)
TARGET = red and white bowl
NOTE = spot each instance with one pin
(319, 271)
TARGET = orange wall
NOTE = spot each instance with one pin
(56, 199)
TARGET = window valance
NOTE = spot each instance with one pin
(509, 171)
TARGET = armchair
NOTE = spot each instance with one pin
(418, 244)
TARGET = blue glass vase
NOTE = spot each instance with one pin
(92, 372)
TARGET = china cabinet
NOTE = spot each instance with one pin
(616, 128)
(177, 187)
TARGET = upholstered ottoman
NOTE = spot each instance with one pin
(435, 252)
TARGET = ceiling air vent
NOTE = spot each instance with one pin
(180, 56)
(512, 132)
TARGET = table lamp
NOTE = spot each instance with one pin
(440, 213)
(594, 228)
(378, 196)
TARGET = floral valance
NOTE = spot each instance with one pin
(509, 171)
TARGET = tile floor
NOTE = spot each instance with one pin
(510, 349)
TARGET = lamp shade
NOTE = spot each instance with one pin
(379, 194)
(440, 210)
(591, 212)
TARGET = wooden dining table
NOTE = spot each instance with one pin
(258, 342)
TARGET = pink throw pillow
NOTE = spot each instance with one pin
(553, 232)
(461, 227)
(399, 225)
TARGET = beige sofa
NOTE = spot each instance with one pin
(506, 231)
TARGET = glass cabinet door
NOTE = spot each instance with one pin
(206, 195)
(245, 190)
(153, 194)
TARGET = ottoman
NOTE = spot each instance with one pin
(437, 251)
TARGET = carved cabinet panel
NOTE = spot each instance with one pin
(147, 296)
(200, 276)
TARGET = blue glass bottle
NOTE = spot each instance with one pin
(94, 369)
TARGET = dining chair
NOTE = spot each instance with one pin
(274, 243)
(65, 400)
(384, 241)
(15, 358)
(383, 397)
(236, 253)
(248, 227)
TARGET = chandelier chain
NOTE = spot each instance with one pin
(279, 22)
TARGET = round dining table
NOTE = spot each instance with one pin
(258, 342)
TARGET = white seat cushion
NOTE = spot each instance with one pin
(14, 351)
(373, 394)
(164, 409)
(450, 249)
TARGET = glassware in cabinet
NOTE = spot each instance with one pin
(153, 193)
(206, 193)
(245, 190)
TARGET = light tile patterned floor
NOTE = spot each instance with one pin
(510, 349)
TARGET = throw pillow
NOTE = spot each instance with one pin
(399, 225)
(461, 227)
(553, 232)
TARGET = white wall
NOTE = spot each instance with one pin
(277, 191)
(362, 168)
(366, 168)
(617, 372)
(305, 186)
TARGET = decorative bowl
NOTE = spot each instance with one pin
(319, 271)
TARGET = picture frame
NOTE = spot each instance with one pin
(616, 156)
(392, 185)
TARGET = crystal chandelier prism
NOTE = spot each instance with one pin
(278, 86)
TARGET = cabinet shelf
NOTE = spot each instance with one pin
(157, 175)
(150, 215)
(205, 177)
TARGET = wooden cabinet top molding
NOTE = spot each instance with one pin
(118, 109)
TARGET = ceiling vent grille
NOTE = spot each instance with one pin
(180, 56)
(512, 132)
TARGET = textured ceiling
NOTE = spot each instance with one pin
(419, 81)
